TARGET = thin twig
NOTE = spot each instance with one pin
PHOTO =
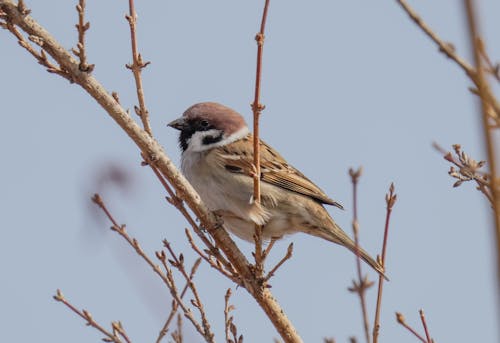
(40, 56)
(361, 286)
(229, 326)
(483, 90)
(257, 108)
(288, 255)
(136, 67)
(167, 278)
(468, 170)
(177, 334)
(424, 324)
(113, 337)
(82, 27)
(401, 320)
(269, 247)
(178, 262)
(213, 262)
(449, 50)
(175, 306)
(390, 200)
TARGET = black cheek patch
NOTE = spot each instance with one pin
(212, 139)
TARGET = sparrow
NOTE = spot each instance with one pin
(217, 159)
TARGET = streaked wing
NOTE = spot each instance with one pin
(238, 158)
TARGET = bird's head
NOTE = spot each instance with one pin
(208, 125)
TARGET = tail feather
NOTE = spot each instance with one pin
(338, 236)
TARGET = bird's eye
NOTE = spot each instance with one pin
(204, 123)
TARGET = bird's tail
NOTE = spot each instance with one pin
(338, 236)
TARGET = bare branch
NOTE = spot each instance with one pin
(390, 200)
(424, 324)
(449, 50)
(167, 278)
(82, 27)
(178, 263)
(485, 110)
(468, 170)
(401, 320)
(230, 327)
(257, 108)
(175, 306)
(287, 256)
(363, 284)
(136, 67)
(110, 336)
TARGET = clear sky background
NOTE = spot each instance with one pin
(345, 84)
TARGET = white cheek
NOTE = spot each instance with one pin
(195, 143)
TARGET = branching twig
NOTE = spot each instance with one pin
(424, 324)
(167, 278)
(111, 336)
(230, 327)
(449, 50)
(401, 320)
(288, 255)
(213, 262)
(363, 284)
(178, 263)
(175, 306)
(177, 334)
(82, 27)
(136, 67)
(468, 170)
(257, 108)
(41, 56)
(390, 200)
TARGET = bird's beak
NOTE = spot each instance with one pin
(179, 124)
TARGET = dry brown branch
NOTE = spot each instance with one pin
(288, 255)
(177, 334)
(117, 328)
(40, 56)
(174, 305)
(136, 67)
(178, 263)
(390, 200)
(212, 261)
(167, 277)
(401, 320)
(468, 170)
(82, 27)
(257, 108)
(363, 283)
(154, 151)
(230, 327)
(449, 50)
(424, 324)
(485, 108)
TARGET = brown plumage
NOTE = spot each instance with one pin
(217, 159)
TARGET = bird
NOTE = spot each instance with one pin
(217, 159)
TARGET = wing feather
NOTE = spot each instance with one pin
(238, 158)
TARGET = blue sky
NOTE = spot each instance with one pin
(345, 84)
